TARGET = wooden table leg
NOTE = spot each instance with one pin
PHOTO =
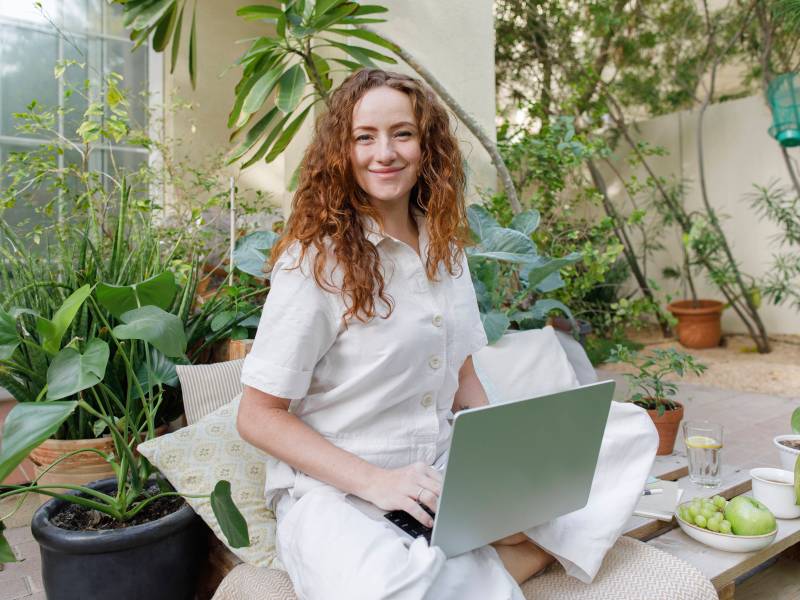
(727, 592)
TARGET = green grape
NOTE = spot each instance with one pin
(700, 521)
(725, 526)
(685, 515)
(693, 511)
(719, 501)
(708, 512)
(717, 516)
(713, 525)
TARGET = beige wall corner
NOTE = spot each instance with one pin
(738, 153)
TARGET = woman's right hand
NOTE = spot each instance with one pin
(398, 489)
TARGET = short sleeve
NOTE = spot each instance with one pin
(297, 327)
(475, 334)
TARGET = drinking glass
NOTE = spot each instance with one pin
(703, 441)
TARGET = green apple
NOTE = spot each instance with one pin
(748, 516)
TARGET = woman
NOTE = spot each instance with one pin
(364, 351)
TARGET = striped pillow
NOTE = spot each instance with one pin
(207, 387)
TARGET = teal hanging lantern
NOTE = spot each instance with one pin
(783, 95)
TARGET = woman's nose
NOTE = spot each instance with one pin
(386, 152)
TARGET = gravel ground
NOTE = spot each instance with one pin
(735, 365)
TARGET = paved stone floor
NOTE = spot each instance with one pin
(743, 414)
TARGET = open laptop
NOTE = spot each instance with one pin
(515, 465)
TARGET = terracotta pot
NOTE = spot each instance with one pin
(75, 470)
(698, 322)
(667, 426)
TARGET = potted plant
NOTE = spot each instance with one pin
(106, 530)
(649, 390)
(789, 445)
(699, 320)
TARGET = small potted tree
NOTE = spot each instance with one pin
(649, 390)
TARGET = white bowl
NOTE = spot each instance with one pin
(726, 541)
(775, 488)
(788, 455)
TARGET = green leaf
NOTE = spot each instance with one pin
(162, 330)
(526, 222)
(544, 307)
(26, 426)
(260, 90)
(158, 291)
(287, 135)
(9, 338)
(71, 372)
(290, 88)
(480, 221)
(6, 553)
(507, 245)
(363, 56)
(193, 49)
(161, 371)
(165, 28)
(146, 15)
(537, 274)
(796, 420)
(255, 132)
(53, 330)
(254, 12)
(797, 481)
(333, 16)
(230, 520)
(274, 133)
(353, 66)
(176, 41)
(495, 324)
(367, 36)
(323, 6)
(370, 9)
(250, 252)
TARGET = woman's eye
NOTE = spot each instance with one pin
(404, 133)
(363, 138)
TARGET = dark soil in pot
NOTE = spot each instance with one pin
(156, 560)
(793, 444)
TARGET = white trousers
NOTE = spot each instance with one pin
(332, 550)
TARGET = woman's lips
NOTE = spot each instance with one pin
(386, 173)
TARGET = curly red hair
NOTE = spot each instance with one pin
(328, 204)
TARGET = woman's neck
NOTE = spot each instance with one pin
(399, 223)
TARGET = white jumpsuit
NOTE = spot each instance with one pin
(383, 390)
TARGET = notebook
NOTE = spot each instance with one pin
(659, 506)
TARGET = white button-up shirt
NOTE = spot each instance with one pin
(382, 390)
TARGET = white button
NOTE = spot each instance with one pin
(435, 362)
(438, 320)
(427, 400)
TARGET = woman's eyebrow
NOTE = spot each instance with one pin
(394, 126)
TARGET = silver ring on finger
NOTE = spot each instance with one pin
(419, 494)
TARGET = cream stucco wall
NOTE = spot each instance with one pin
(457, 45)
(738, 153)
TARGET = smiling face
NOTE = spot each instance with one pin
(385, 148)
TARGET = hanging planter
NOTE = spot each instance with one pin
(783, 95)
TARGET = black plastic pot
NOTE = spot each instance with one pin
(152, 561)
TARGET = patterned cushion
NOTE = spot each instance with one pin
(631, 570)
(207, 387)
(196, 457)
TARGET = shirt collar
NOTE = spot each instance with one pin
(376, 235)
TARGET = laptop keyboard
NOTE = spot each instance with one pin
(409, 524)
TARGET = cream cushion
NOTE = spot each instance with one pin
(632, 570)
(205, 388)
(196, 457)
(524, 364)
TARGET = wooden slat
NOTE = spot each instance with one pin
(239, 349)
